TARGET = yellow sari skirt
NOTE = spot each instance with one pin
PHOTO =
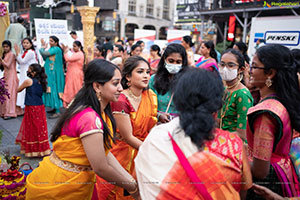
(65, 174)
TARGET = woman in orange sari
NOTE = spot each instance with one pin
(135, 113)
(81, 141)
(188, 158)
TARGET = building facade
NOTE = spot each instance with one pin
(146, 14)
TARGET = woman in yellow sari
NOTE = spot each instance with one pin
(135, 113)
(81, 141)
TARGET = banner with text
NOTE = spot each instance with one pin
(44, 28)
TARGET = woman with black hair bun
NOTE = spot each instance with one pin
(242, 47)
(187, 43)
(209, 58)
(172, 63)
(271, 122)
(189, 158)
(54, 68)
(74, 76)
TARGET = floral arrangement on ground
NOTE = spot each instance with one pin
(12, 181)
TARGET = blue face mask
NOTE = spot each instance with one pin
(173, 68)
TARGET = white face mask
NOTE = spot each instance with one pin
(228, 74)
(173, 68)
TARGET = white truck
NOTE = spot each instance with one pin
(284, 30)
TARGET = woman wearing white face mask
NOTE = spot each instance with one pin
(173, 61)
(238, 99)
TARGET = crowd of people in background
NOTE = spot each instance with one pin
(148, 124)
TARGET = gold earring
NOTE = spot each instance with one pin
(128, 84)
(268, 82)
(98, 94)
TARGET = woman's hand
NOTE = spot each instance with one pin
(43, 43)
(164, 117)
(17, 49)
(65, 48)
(266, 193)
(136, 193)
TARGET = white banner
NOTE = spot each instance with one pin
(147, 36)
(44, 28)
(175, 36)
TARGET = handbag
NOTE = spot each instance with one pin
(26, 171)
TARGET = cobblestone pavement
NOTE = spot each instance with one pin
(10, 129)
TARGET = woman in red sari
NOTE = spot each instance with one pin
(216, 165)
(272, 120)
(135, 113)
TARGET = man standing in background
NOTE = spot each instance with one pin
(16, 32)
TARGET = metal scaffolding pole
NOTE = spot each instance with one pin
(245, 27)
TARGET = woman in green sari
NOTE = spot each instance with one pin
(172, 63)
(238, 99)
(55, 75)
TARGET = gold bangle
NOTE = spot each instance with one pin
(136, 188)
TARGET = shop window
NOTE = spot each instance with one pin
(166, 10)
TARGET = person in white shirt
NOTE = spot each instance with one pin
(24, 59)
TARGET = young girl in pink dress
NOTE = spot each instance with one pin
(8, 61)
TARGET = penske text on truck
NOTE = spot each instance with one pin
(284, 30)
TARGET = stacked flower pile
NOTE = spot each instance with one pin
(12, 182)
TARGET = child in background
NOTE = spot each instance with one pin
(33, 134)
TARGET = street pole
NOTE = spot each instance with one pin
(50, 11)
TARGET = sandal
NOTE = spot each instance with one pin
(7, 118)
(54, 116)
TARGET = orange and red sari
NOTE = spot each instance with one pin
(142, 121)
(222, 165)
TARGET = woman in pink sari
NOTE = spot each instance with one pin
(74, 76)
(271, 122)
(209, 59)
(8, 61)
